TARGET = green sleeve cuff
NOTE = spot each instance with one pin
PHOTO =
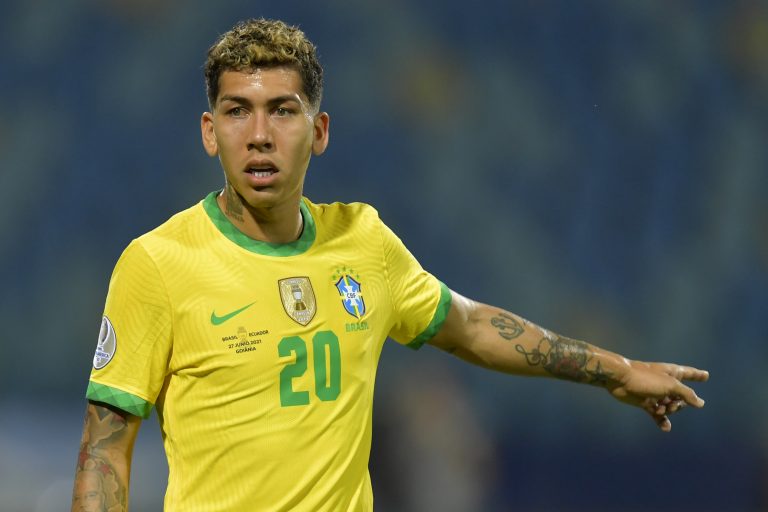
(125, 401)
(443, 306)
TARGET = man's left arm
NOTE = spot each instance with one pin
(499, 340)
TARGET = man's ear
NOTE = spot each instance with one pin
(320, 140)
(209, 135)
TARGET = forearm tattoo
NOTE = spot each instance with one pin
(566, 359)
(508, 326)
(562, 357)
(97, 484)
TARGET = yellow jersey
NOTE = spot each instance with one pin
(260, 358)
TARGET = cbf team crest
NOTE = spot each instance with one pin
(351, 295)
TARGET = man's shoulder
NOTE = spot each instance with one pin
(181, 229)
(338, 212)
(179, 221)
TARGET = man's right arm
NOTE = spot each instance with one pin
(104, 461)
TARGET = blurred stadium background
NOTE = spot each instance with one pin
(599, 167)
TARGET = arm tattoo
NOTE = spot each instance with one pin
(234, 204)
(97, 484)
(566, 359)
(509, 328)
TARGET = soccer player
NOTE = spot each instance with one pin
(254, 320)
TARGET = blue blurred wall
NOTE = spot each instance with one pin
(599, 167)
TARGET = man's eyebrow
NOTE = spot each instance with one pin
(272, 101)
(236, 99)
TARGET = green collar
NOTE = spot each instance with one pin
(229, 230)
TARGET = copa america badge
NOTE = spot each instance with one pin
(106, 345)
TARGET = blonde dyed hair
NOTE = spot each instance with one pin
(262, 43)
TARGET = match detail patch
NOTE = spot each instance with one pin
(106, 346)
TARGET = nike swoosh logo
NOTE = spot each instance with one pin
(218, 320)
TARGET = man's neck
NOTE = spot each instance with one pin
(278, 224)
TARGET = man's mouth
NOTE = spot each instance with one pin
(262, 173)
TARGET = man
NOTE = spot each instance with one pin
(254, 320)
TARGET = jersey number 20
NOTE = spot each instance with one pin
(327, 365)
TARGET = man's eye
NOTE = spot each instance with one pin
(237, 112)
(282, 111)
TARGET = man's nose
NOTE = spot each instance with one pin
(260, 133)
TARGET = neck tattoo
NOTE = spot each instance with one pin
(234, 206)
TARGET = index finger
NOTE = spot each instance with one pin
(691, 373)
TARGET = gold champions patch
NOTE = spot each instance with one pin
(298, 298)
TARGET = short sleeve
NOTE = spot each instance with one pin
(135, 339)
(421, 301)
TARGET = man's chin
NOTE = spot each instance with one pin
(260, 200)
